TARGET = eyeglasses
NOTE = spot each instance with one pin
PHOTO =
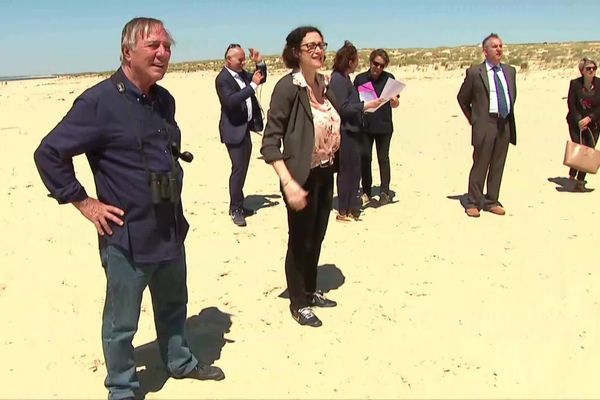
(231, 46)
(591, 68)
(312, 46)
(378, 64)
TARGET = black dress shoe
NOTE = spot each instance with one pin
(204, 373)
(306, 316)
(237, 216)
(317, 299)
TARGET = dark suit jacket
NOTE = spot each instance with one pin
(577, 111)
(234, 124)
(290, 120)
(474, 100)
(351, 107)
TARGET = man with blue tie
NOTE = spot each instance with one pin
(487, 98)
(240, 114)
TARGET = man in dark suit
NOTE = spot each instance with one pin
(487, 97)
(240, 114)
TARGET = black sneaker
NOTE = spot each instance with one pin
(204, 373)
(306, 316)
(237, 216)
(317, 299)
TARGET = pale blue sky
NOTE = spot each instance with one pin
(64, 36)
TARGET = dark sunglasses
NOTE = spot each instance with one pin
(591, 68)
(377, 64)
(231, 46)
(312, 47)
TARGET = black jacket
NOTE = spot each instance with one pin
(234, 124)
(290, 120)
(380, 121)
(350, 105)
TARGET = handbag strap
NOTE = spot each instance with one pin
(591, 134)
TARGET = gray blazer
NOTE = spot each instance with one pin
(474, 100)
(290, 120)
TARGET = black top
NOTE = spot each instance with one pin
(106, 123)
(380, 121)
(350, 105)
(584, 103)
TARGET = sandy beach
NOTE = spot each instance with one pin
(432, 304)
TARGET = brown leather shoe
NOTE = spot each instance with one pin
(472, 212)
(496, 210)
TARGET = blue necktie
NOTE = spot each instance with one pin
(502, 106)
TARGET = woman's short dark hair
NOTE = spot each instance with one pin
(293, 41)
(380, 53)
(343, 56)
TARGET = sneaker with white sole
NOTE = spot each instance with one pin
(306, 316)
(317, 299)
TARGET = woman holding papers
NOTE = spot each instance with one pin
(351, 111)
(302, 117)
(377, 127)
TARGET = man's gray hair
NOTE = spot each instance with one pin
(488, 37)
(139, 27)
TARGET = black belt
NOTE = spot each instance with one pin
(496, 116)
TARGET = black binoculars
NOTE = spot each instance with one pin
(164, 187)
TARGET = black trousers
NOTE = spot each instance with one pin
(306, 230)
(348, 177)
(382, 143)
(239, 154)
(587, 141)
(488, 161)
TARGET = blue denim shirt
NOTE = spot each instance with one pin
(107, 124)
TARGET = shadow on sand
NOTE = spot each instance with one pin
(462, 198)
(329, 277)
(205, 334)
(257, 201)
(567, 185)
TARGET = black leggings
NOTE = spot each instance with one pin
(382, 143)
(306, 232)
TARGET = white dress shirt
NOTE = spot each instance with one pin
(493, 94)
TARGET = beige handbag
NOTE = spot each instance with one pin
(581, 157)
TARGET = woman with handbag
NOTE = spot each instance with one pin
(302, 117)
(584, 112)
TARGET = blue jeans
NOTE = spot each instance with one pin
(126, 281)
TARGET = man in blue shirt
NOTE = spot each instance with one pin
(126, 127)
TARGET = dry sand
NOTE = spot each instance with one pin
(431, 303)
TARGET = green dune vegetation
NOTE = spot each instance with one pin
(526, 56)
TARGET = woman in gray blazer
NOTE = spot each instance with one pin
(302, 117)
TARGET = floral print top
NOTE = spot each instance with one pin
(326, 121)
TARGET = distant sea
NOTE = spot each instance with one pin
(26, 77)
